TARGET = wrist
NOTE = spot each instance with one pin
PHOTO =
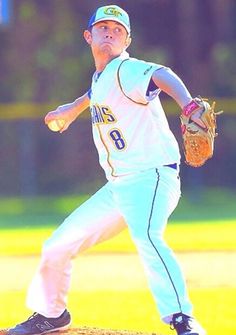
(191, 107)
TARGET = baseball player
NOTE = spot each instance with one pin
(140, 157)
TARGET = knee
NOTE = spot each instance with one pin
(55, 253)
(148, 235)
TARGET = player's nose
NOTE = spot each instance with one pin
(109, 36)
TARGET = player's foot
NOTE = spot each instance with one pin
(186, 325)
(39, 324)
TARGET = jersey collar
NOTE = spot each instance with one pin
(124, 55)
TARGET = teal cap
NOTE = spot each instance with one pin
(111, 13)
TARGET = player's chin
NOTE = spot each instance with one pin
(109, 50)
(106, 47)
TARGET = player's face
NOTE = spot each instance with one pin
(108, 38)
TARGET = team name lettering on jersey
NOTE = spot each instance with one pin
(102, 115)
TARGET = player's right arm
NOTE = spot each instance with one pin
(69, 112)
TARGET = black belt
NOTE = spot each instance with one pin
(173, 166)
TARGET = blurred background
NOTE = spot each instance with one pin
(45, 62)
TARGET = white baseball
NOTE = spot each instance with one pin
(56, 125)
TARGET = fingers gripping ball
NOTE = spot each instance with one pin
(56, 125)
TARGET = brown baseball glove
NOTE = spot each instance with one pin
(198, 125)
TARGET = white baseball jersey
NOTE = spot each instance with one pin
(130, 128)
(132, 135)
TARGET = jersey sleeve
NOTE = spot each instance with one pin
(134, 77)
(89, 93)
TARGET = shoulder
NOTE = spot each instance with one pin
(137, 66)
(134, 76)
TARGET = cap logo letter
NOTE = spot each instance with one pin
(112, 11)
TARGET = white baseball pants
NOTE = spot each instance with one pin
(143, 202)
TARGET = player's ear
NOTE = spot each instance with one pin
(88, 36)
(128, 41)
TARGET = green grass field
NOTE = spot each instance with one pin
(25, 225)
(200, 236)
(132, 310)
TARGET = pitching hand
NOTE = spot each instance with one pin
(63, 115)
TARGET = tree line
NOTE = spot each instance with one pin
(44, 58)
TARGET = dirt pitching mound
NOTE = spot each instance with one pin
(99, 331)
(92, 331)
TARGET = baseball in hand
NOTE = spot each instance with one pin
(56, 125)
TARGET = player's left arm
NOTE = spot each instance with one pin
(198, 118)
(167, 81)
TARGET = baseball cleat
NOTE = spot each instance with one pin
(39, 324)
(186, 325)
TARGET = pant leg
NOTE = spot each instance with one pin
(94, 221)
(146, 201)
